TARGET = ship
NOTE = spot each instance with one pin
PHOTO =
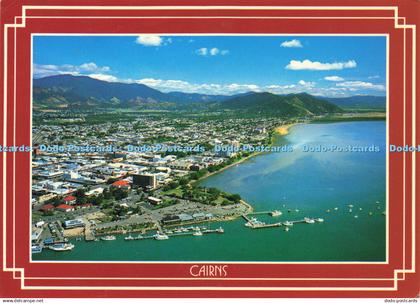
(197, 233)
(61, 247)
(287, 223)
(320, 220)
(108, 238)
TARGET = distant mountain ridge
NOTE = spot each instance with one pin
(68, 91)
(73, 92)
(359, 102)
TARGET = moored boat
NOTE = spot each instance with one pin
(108, 238)
(276, 213)
(61, 246)
(309, 220)
(36, 249)
(160, 236)
(130, 237)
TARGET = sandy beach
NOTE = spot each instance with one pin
(284, 129)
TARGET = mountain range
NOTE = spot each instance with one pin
(72, 92)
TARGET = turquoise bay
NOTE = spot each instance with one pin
(317, 184)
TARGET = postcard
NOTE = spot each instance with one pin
(196, 150)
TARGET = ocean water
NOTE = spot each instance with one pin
(310, 182)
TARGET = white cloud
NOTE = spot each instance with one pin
(356, 85)
(291, 43)
(41, 70)
(104, 77)
(315, 65)
(150, 40)
(214, 51)
(204, 88)
(92, 67)
(333, 78)
(306, 84)
(201, 51)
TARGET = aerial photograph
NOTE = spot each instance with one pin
(219, 148)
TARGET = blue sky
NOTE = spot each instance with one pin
(320, 65)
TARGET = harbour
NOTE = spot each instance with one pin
(299, 185)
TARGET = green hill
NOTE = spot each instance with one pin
(293, 105)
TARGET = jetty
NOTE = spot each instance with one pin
(173, 234)
(89, 233)
(253, 223)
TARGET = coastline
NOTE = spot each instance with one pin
(284, 129)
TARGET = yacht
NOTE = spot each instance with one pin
(160, 236)
(287, 223)
(61, 246)
(309, 220)
(197, 233)
(276, 213)
(108, 238)
(130, 237)
(220, 230)
(36, 249)
(286, 229)
(320, 220)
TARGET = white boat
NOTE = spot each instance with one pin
(220, 230)
(370, 213)
(328, 210)
(61, 246)
(286, 229)
(160, 236)
(276, 213)
(130, 237)
(356, 216)
(36, 249)
(108, 238)
(320, 220)
(351, 205)
(287, 223)
(197, 233)
(309, 221)
(335, 208)
(139, 237)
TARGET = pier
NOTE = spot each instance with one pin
(174, 234)
(253, 223)
(89, 233)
